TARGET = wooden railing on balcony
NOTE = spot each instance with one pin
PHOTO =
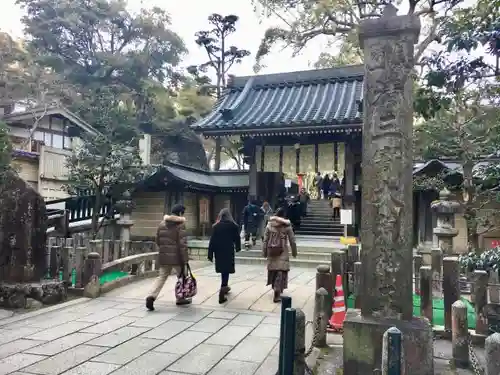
(79, 208)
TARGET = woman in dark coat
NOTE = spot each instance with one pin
(326, 186)
(225, 240)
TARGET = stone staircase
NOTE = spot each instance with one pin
(319, 221)
(312, 251)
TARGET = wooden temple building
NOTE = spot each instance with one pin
(293, 125)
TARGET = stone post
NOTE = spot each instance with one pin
(125, 206)
(492, 351)
(460, 335)
(352, 254)
(392, 352)
(451, 287)
(426, 293)
(417, 263)
(437, 271)
(387, 201)
(494, 288)
(338, 267)
(480, 294)
(386, 229)
(324, 280)
(356, 284)
(300, 343)
(91, 273)
(320, 318)
(445, 212)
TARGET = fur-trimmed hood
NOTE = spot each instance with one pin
(170, 220)
(278, 221)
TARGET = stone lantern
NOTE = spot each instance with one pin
(125, 206)
(445, 230)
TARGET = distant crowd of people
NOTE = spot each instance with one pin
(330, 187)
(275, 228)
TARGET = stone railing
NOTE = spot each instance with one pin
(92, 267)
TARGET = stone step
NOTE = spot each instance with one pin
(320, 224)
(302, 263)
(323, 219)
(326, 210)
(307, 232)
(328, 217)
(319, 203)
(314, 255)
(321, 211)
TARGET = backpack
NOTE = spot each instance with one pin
(276, 243)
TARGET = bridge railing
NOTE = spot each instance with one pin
(78, 259)
(67, 260)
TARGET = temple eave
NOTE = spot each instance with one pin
(289, 130)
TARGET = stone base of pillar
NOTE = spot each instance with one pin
(363, 344)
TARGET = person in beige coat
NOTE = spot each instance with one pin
(171, 240)
(278, 241)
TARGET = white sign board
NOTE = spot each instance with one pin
(346, 217)
(288, 184)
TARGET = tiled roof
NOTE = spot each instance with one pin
(219, 179)
(306, 99)
(194, 177)
(51, 110)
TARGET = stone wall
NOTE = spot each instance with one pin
(149, 211)
(191, 213)
(28, 171)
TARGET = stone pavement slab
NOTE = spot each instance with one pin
(249, 290)
(17, 361)
(92, 368)
(66, 360)
(115, 335)
(200, 359)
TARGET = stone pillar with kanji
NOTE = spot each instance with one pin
(387, 201)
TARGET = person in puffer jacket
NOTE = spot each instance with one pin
(252, 214)
(171, 240)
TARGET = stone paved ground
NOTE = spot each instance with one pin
(116, 335)
(249, 290)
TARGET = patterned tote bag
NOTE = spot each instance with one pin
(186, 286)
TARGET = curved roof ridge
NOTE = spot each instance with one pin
(228, 112)
(302, 76)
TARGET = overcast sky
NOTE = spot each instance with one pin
(186, 21)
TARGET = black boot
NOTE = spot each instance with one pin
(222, 296)
(225, 289)
(150, 303)
(183, 302)
(277, 297)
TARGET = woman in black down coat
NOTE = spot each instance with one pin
(224, 242)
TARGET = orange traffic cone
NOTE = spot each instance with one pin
(336, 322)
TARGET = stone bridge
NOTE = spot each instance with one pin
(115, 334)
